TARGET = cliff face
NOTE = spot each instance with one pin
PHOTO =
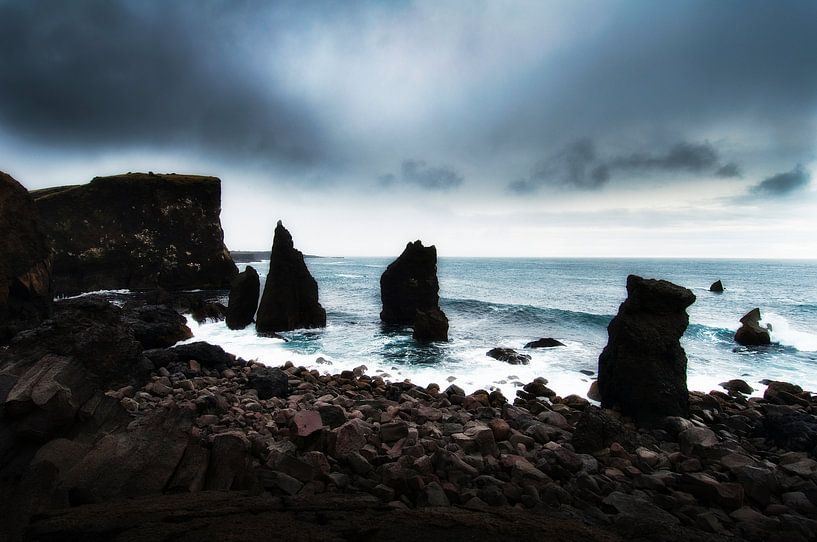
(25, 261)
(137, 231)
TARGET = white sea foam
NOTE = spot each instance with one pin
(782, 332)
(96, 292)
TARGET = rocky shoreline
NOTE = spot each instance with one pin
(193, 418)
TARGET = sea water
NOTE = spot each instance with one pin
(509, 302)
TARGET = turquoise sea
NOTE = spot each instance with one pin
(509, 302)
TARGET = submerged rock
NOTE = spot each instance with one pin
(25, 261)
(544, 343)
(290, 299)
(716, 287)
(642, 370)
(137, 231)
(508, 355)
(409, 291)
(750, 333)
(244, 292)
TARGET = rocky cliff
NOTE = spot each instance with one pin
(137, 231)
(25, 261)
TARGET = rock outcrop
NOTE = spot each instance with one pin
(290, 299)
(544, 343)
(409, 291)
(750, 332)
(642, 370)
(137, 231)
(716, 287)
(244, 292)
(508, 355)
(25, 261)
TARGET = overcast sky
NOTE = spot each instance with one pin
(574, 128)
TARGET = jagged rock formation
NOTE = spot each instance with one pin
(716, 287)
(25, 261)
(290, 299)
(642, 370)
(409, 291)
(137, 231)
(244, 292)
(750, 332)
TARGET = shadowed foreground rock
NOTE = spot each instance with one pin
(290, 299)
(25, 261)
(244, 292)
(750, 332)
(409, 291)
(642, 370)
(137, 231)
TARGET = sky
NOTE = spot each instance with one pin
(489, 128)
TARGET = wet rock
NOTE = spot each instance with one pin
(430, 325)
(137, 231)
(243, 302)
(738, 386)
(290, 299)
(157, 326)
(25, 265)
(784, 393)
(716, 287)
(544, 343)
(208, 312)
(750, 333)
(642, 370)
(410, 283)
(508, 355)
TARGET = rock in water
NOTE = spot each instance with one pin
(716, 287)
(290, 299)
(25, 261)
(137, 231)
(642, 370)
(431, 325)
(750, 333)
(508, 355)
(410, 291)
(243, 301)
(544, 343)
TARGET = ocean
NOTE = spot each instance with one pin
(509, 302)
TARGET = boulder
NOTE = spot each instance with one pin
(430, 325)
(508, 355)
(290, 299)
(269, 382)
(137, 231)
(750, 333)
(209, 312)
(716, 287)
(642, 370)
(737, 385)
(544, 343)
(156, 326)
(244, 292)
(409, 291)
(25, 261)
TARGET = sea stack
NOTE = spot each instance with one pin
(137, 231)
(290, 299)
(409, 291)
(750, 332)
(716, 287)
(244, 292)
(25, 261)
(642, 370)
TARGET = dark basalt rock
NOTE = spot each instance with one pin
(156, 326)
(290, 299)
(750, 333)
(409, 291)
(209, 312)
(737, 385)
(716, 287)
(544, 343)
(508, 355)
(642, 370)
(269, 382)
(430, 325)
(208, 355)
(137, 231)
(25, 261)
(244, 292)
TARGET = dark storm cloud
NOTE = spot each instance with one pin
(419, 173)
(783, 184)
(579, 166)
(102, 74)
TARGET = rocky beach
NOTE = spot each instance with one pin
(110, 429)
